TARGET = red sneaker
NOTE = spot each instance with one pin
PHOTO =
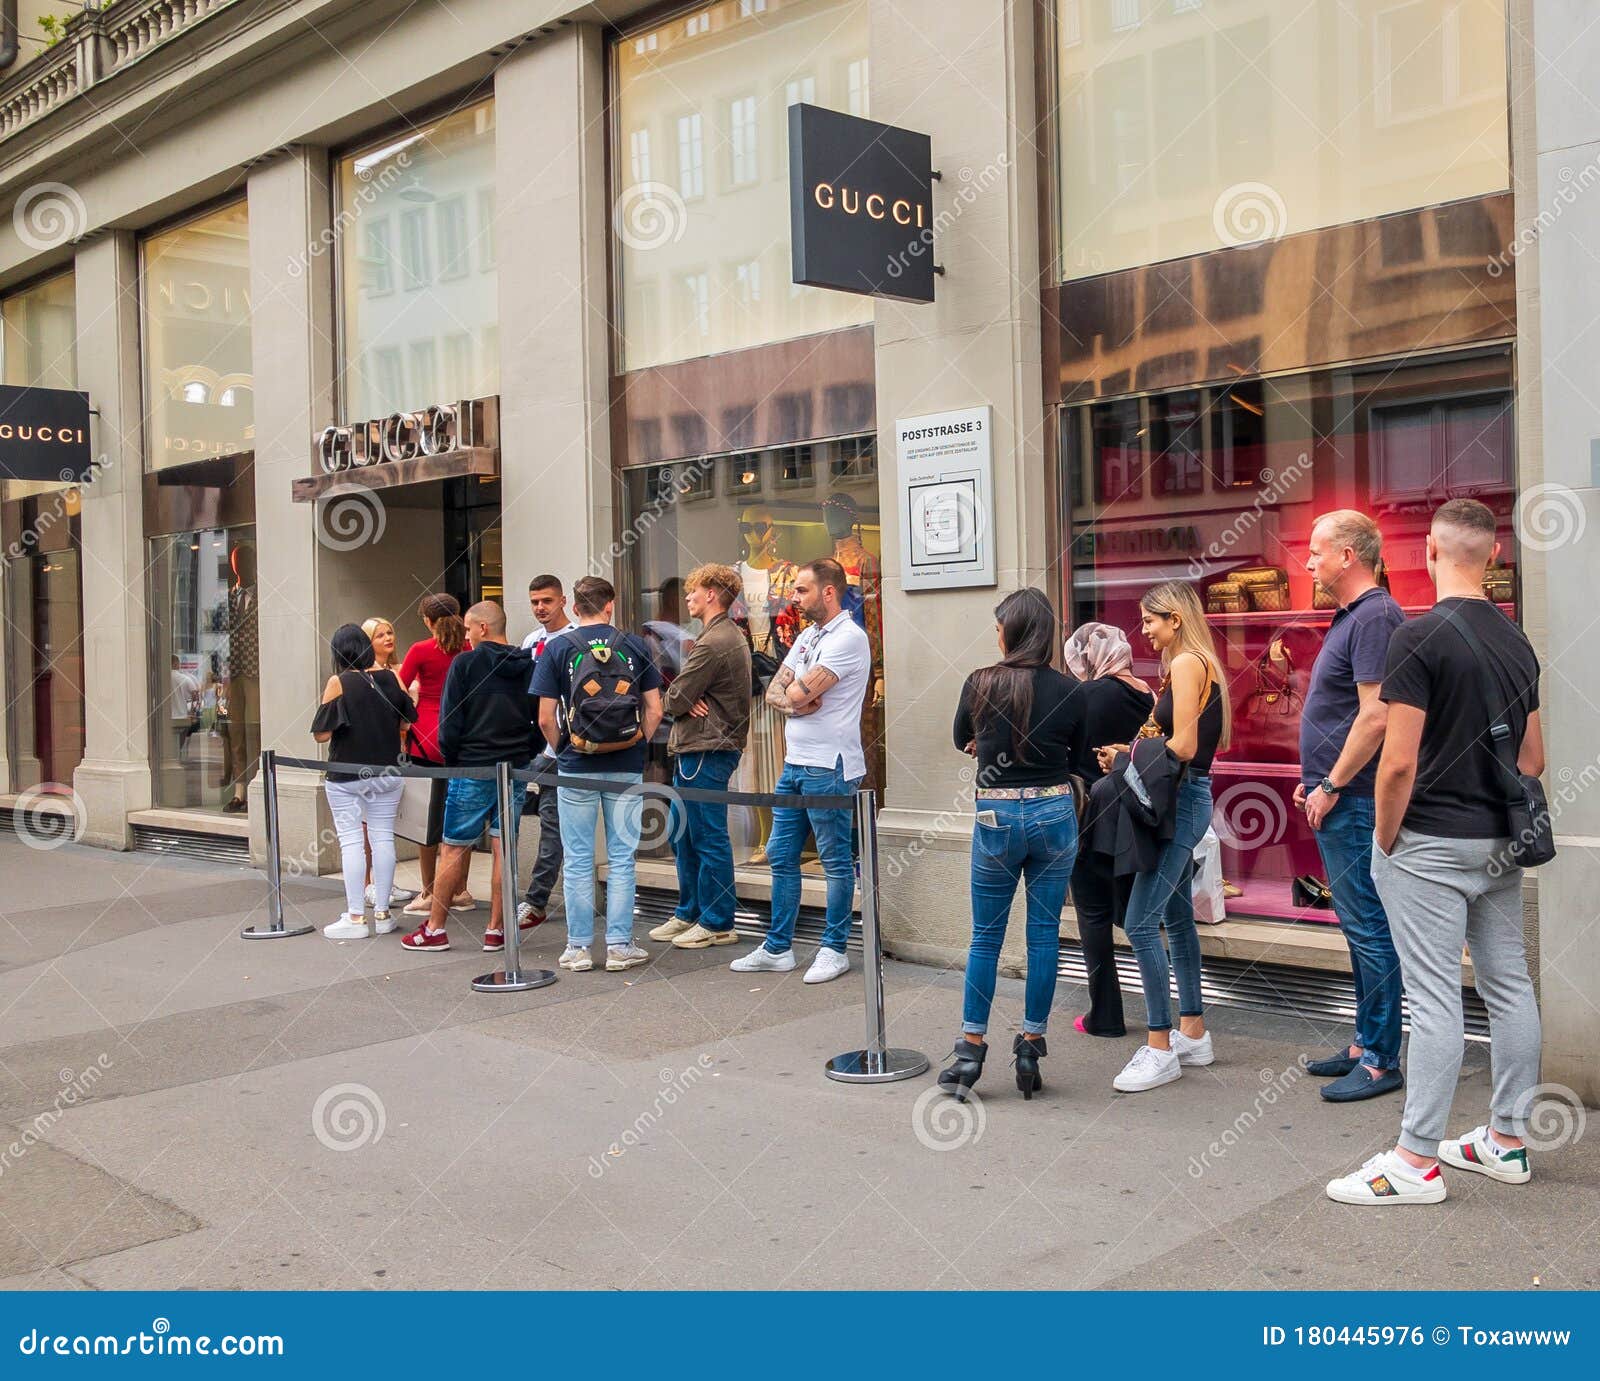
(422, 939)
(528, 918)
(494, 941)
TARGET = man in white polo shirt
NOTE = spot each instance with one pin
(820, 686)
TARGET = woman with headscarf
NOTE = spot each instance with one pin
(1116, 703)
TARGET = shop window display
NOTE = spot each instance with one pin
(1220, 486)
(205, 668)
(766, 514)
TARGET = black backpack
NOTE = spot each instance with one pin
(604, 709)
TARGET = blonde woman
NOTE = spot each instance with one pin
(385, 653)
(1192, 713)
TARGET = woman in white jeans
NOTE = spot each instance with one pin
(362, 719)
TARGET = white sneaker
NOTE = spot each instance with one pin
(763, 960)
(1149, 1068)
(524, 913)
(578, 960)
(383, 923)
(1190, 1051)
(400, 894)
(1386, 1179)
(1478, 1152)
(347, 928)
(828, 965)
(628, 956)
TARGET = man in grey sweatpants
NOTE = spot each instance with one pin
(1441, 864)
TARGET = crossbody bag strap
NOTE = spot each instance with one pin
(1500, 745)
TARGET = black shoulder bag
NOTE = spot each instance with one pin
(1528, 813)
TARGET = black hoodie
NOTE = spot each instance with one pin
(485, 710)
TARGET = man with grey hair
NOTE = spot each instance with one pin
(485, 717)
(1341, 730)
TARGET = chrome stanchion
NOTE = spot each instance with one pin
(512, 978)
(269, 798)
(878, 1063)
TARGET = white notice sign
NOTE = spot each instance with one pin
(946, 466)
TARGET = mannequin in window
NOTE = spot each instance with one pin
(242, 743)
(767, 580)
(864, 571)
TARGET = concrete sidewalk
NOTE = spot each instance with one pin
(182, 1108)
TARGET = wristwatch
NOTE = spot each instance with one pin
(1326, 784)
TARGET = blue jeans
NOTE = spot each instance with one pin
(1345, 843)
(470, 804)
(581, 811)
(700, 840)
(1162, 897)
(832, 830)
(1036, 839)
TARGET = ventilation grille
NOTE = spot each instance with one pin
(39, 826)
(212, 848)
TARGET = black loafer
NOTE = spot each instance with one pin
(1358, 1084)
(1332, 1066)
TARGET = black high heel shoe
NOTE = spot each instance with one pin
(963, 1074)
(1027, 1062)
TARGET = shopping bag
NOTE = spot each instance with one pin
(1207, 884)
(411, 816)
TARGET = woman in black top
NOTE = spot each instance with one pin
(1116, 704)
(362, 719)
(1024, 722)
(1192, 715)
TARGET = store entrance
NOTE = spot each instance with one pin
(473, 561)
(44, 646)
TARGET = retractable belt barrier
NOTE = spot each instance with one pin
(875, 1063)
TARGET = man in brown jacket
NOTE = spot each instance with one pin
(709, 701)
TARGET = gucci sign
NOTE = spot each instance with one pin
(435, 430)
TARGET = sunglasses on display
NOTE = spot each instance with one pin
(755, 527)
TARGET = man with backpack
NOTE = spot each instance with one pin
(599, 701)
(1462, 687)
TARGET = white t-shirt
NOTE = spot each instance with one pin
(834, 730)
(536, 642)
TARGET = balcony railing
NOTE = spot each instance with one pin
(102, 39)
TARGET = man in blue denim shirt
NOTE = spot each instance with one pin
(1341, 730)
(820, 687)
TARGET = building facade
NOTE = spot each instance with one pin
(377, 299)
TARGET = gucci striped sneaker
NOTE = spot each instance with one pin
(1478, 1152)
(1387, 1179)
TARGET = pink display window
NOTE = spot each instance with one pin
(1220, 485)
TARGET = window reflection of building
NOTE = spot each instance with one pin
(1184, 127)
(199, 385)
(417, 280)
(701, 108)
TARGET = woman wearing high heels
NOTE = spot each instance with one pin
(1192, 714)
(1024, 722)
(1116, 703)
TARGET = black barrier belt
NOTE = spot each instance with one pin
(544, 777)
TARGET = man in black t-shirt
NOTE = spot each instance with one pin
(1440, 862)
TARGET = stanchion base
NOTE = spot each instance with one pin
(266, 932)
(876, 1066)
(524, 981)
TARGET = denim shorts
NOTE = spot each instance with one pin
(470, 804)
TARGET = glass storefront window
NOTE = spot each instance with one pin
(418, 290)
(1220, 487)
(701, 173)
(39, 527)
(1185, 128)
(765, 513)
(205, 668)
(199, 388)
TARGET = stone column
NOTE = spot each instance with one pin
(114, 776)
(978, 343)
(291, 343)
(551, 220)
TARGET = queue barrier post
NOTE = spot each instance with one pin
(275, 929)
(878, 1062)
(512, 978)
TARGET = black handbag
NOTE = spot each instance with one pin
(763, 667)
(1533, 839)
